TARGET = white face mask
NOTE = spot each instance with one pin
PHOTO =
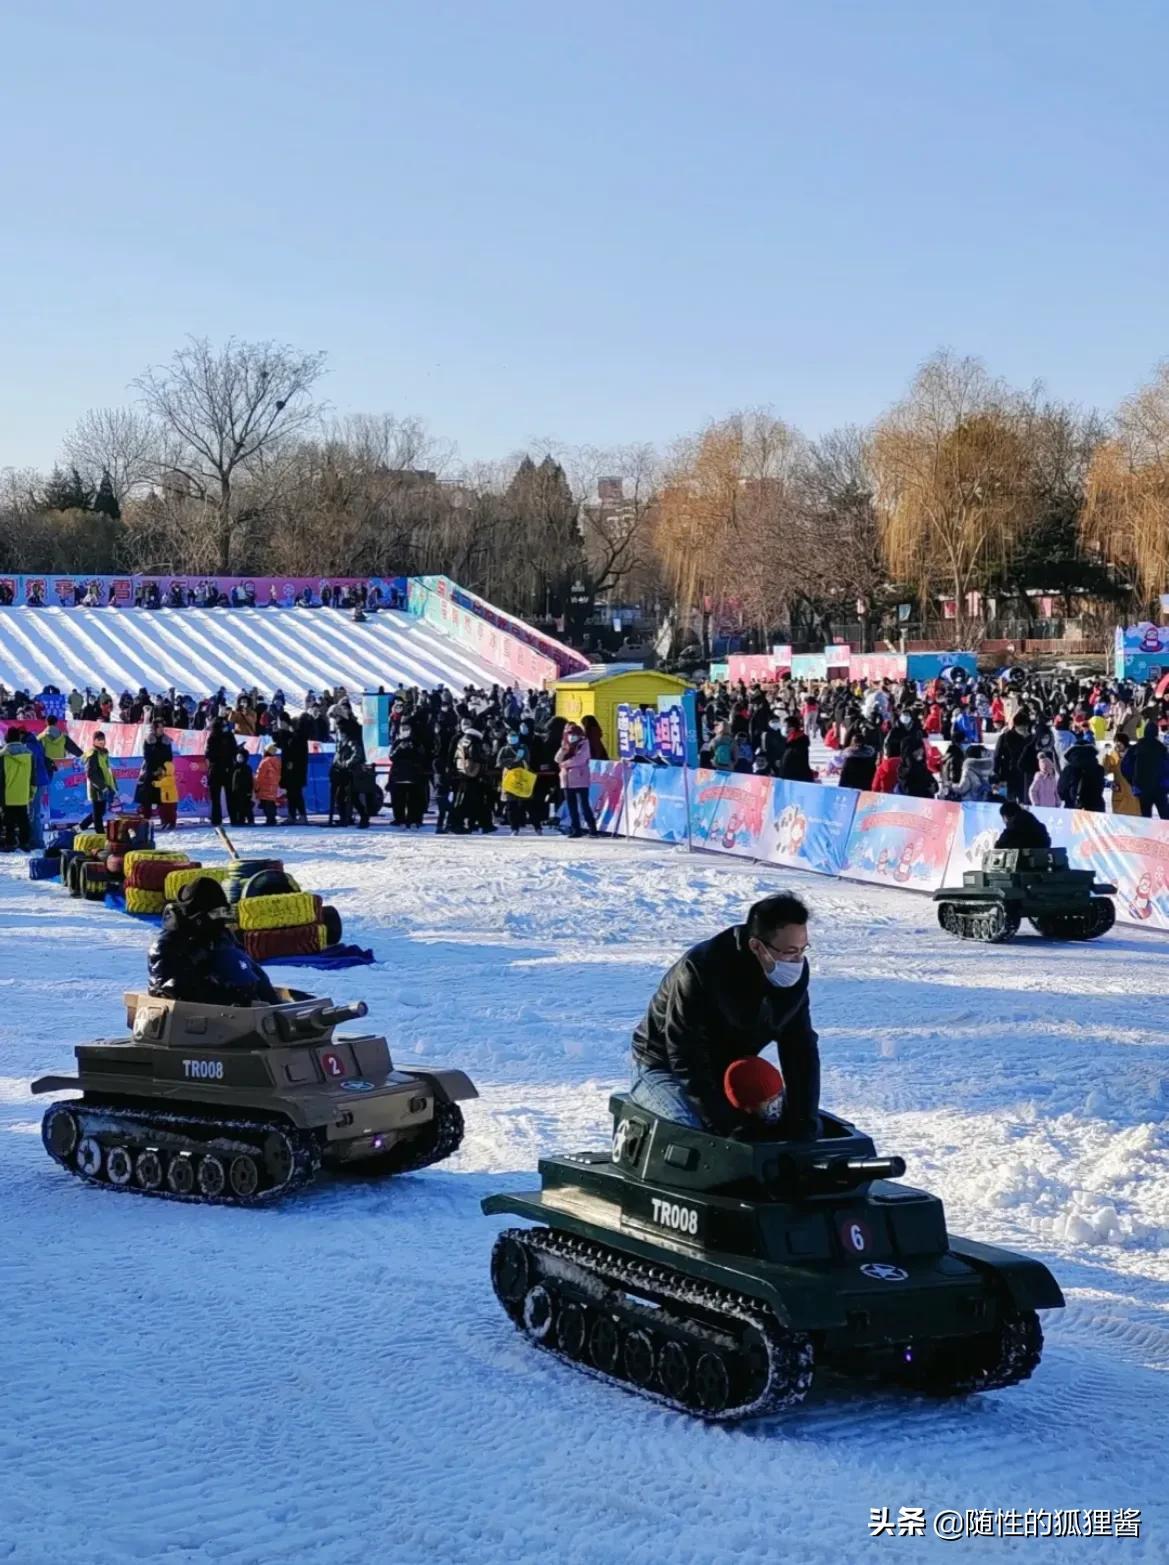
(785, 975)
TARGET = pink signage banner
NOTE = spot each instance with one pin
(728, 812)
(899, 841)
(876, 666)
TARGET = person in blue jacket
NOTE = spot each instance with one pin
(197, 957)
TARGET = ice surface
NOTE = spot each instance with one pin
(332, 1381)
(197, 650)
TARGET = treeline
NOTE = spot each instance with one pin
(969, 498)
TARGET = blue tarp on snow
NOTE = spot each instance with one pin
(331, 960)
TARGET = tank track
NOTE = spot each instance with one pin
(987, 921)
(963, 1366)
(687, 1344)
(282, 1158)
(419, 1152)
(1096, 920)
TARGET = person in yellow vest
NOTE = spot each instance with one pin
(56, 744)
(1124, 800)
(99, 781)
(16, 762)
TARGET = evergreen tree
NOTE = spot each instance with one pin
(548, 540)
(67, 492)
(105, 502)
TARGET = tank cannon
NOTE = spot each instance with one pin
(714, 1275)
(241, 1104)
(1033, 883)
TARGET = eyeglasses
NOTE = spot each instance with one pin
(790, 954)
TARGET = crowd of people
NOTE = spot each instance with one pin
(495, 758)
(1044, 741)
(126, 592)
(483, 759)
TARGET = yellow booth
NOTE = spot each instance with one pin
(600, 691)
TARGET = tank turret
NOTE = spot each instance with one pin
(715, 1275)
(243, 1103)
(1033, 883)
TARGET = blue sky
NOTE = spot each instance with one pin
(599, 222)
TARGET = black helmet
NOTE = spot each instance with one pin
(203, 898)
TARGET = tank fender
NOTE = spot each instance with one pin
(56, 1084)
(1027, 1282)
(449, 1085)
(799, 1302)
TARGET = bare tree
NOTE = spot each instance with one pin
(228, 411)
(953, 469)
(119, 441)
(723, 530)
(843, 568)
(1126, 517)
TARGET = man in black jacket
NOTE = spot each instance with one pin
(1021, 829)
(729, 997)
(1013, 767)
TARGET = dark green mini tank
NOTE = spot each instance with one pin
(718, 1275)
(1033, 883)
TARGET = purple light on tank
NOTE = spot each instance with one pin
(377, 1143)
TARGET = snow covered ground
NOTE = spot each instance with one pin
(197, 650)
(332, 1381)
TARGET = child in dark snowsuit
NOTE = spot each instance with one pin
(241, 803)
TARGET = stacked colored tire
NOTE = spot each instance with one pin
(94, 882)
(283, 912)
(178, 878)
(144, 855)
(130, 831)
(152, 876)
(240, 871)
(44, 868)
(270, 883)
(89, 842)
(139, 901)
(268, 944)
(331, 922)
(73, 871)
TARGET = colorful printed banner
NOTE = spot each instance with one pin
(656, 803)
(808, 826)
(122, 591)
(607, 784)
(728, 811)
(900, 841)
(437, 600)
(643, 735)
(68, 799)
(1142, 651)
(916, 844)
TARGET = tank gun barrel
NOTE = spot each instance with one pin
(834, 1174)
(334, 1015)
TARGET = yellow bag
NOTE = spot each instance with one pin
(167, 785)
(144, 901)
(286, 911)
(90, 842)
(519, 782)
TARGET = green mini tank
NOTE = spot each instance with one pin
(241, 1104)
(716, 1275)
(1033, 883)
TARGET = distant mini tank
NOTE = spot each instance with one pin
(1032, 883)
(241, 1104)
(715, 1275)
